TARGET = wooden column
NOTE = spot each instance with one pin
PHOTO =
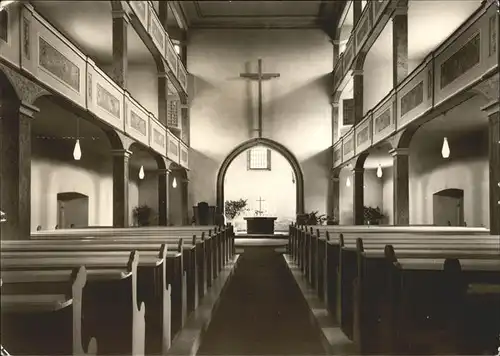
(358, 196)
(399, 45)
(494, 159)
(120, 187)
(358, 95)
(336, 52)
(163, 13)
(184, 198)
(163, 98)
(335, 198)
(120, 56)
(357, 11)
(401, 195)
(15, 169)
(163, 190)
(335, 122)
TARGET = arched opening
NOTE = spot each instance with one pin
(72, 210)
(145, 170)
(294, 174)
(178, 196)
(448, 207)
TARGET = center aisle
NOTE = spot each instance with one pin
(262, 312)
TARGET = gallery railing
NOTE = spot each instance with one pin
(462, 61)
(40, 50)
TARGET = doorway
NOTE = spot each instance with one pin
(72, 210)
(448, 207)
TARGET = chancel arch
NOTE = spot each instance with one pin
(293, 174)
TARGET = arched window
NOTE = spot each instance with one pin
(4, 25)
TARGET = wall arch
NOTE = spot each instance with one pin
(285, 152)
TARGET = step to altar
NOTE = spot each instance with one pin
(278, 244)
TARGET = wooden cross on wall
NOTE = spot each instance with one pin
(259, 76)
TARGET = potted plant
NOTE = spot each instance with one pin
(233, 208)
(142, 215)
(372, 216)
(311, 218)
(332, 220)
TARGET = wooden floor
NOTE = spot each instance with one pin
(262, 312)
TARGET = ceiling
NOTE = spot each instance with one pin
(252, 14)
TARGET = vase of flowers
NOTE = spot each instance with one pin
(372, 216)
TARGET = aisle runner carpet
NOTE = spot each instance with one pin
(262, 312)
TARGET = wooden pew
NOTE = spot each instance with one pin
(221, 243)
(41, 312)
(197, 255)
(348, 265)
(110, 302)
(437, 309)
(181, 271)
(370, 285)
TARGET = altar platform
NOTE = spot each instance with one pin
(278, 244)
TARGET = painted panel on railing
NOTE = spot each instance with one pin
(10, 37)
(465, 57)
(181, 74)
(104, 98)
(364, 28)
(378, 8)
(141, 10)
(413, 97)
(184, 158)
(56, 63)
(338, 73)
(173, 148)
(157, 136)
(348, 146)
(363, 134)
(137, 120)
(337, 154)
(171, 56)
(156, 30)
(348, 55)
(383, 120)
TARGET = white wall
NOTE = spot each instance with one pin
(387, 194)
(296, 109)
(372, 193)
(142, 83)
(377, 70)
(54, 171)
(175, 216)
(275, 187)
(466, 169)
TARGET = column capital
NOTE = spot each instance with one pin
(164, 171)
(163, 75)
(491, 108)
(399, 152)
(120, 14)
(356, 72)
(335, 179)
(121, 153)
(335, 42)
(335, 104)
(28, 109)
(400, 10)
(357, 170)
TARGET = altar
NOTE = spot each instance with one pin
(260, 225)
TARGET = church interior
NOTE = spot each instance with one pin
(241, 177)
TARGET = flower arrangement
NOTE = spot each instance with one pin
(233, 208)
(372, 216)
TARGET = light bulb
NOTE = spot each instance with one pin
(348, 182)
(77, 152)
(379, 171)
(445, 151)
(174, 183)
(141, 173)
